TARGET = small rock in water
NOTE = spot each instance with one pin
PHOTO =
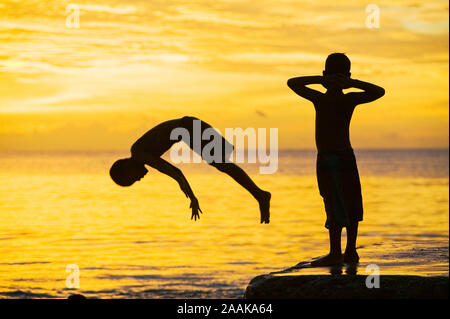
(347, 286)
(76, 296)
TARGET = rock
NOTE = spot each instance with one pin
(346, 286)
(76, 296)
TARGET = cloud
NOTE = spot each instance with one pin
(216, 59)
(108, 9)
(424, 27)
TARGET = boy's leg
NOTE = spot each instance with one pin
(240, 176)
(335, 233)
(335, 255)
(351, 256)
(231, 169)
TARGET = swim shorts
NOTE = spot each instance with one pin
(340, 187)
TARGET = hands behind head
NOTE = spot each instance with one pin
(338, 80)
(195, 209)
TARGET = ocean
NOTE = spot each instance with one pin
(67, 228)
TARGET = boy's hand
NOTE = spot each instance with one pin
(329, 80)
(195, 209)
(344, 82)
(334, 81)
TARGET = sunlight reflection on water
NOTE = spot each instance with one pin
(60, 209)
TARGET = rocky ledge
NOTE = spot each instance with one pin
(346, 286)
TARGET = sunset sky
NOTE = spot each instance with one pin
(133, 64)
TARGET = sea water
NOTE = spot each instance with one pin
(60, 211)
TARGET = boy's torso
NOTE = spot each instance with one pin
(157, 140)
(333, 115)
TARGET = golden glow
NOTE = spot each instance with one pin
(63, 209)
(226, 62)
(133, 64)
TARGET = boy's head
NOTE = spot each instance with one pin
(337, 63)
(125, 172)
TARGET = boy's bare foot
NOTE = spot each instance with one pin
(264, 206)
(328, 260)
(351, 257)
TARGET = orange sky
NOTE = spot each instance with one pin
(133, 64)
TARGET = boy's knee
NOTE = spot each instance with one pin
(223, 167)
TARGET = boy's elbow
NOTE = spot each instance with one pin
(377, 93)
(289, 83)
(292, 83)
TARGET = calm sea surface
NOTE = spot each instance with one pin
(60, 209)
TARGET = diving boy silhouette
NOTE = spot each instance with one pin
(148, 149)
(337, 173)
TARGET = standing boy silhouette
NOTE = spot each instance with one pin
(337, 173)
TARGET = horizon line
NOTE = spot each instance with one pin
(246, 150)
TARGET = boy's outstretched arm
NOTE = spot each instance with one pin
(174, 172)
(299, 86)
(371, 92)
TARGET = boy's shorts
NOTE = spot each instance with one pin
(340, 187)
